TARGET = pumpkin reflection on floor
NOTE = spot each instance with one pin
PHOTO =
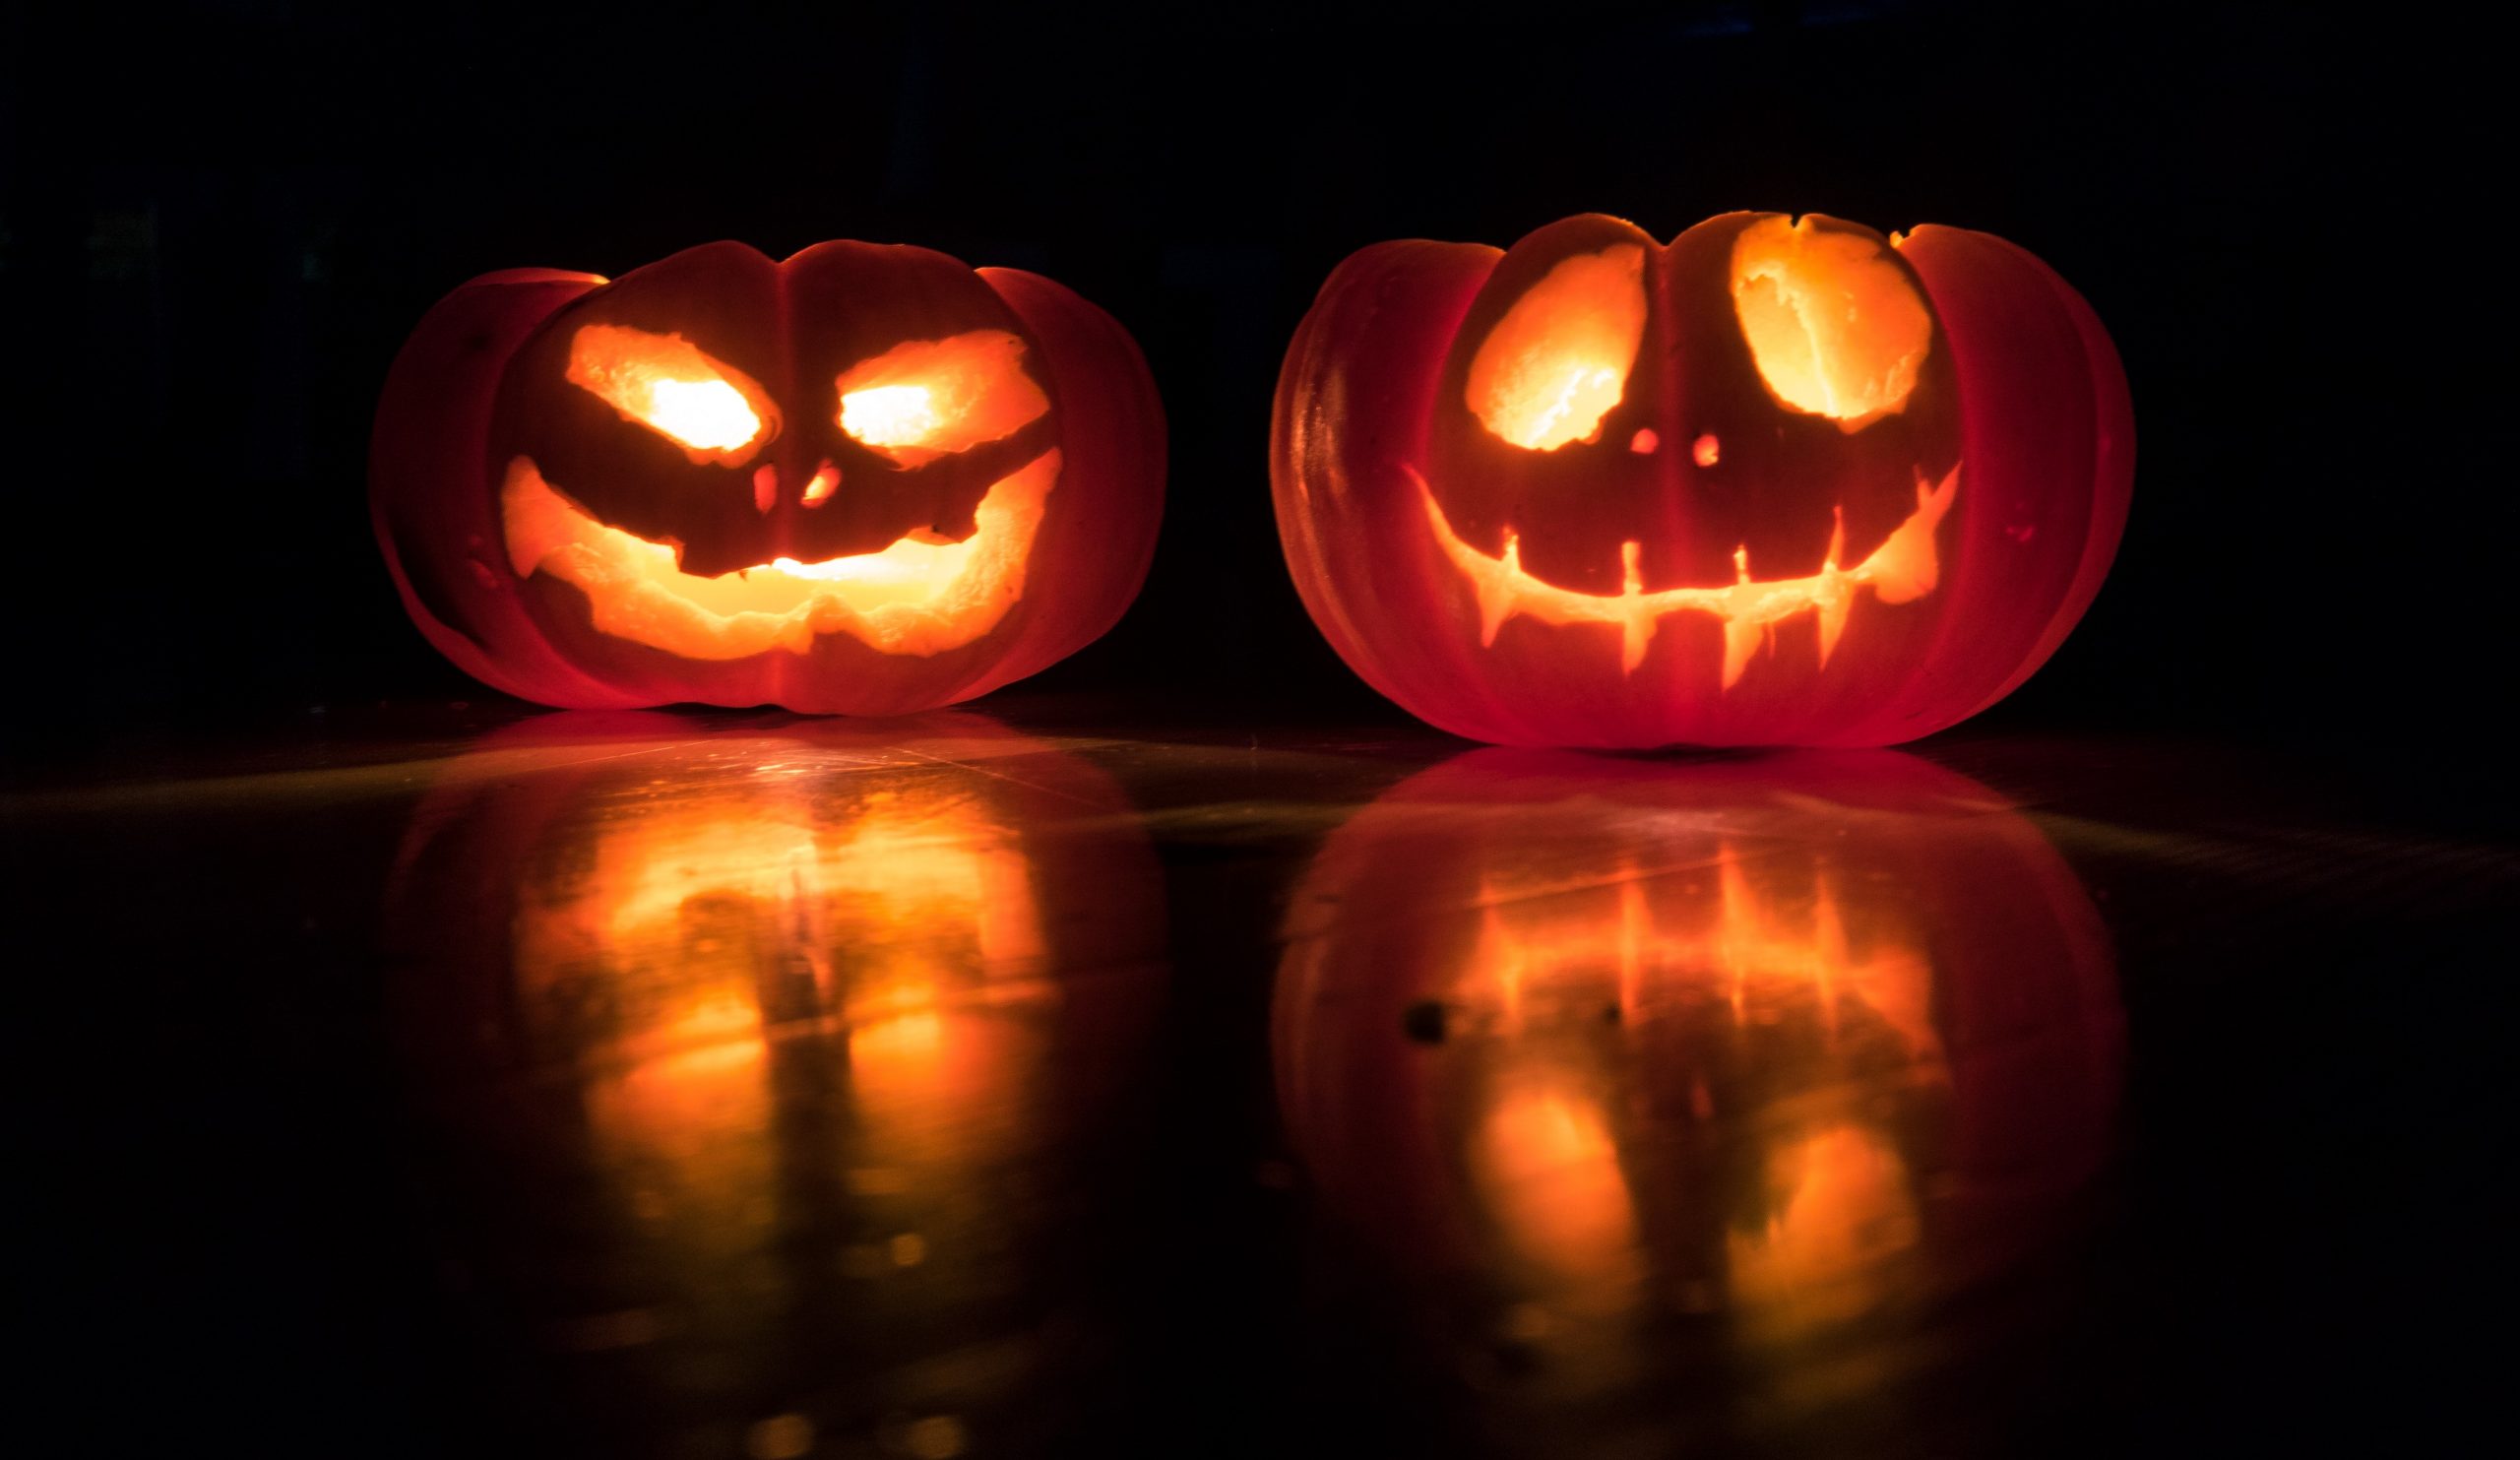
(1765, 1052)
(763, 1051)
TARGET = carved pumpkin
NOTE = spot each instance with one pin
(1783, 1044)
(866, 479)
(1778, 482)
(754, 1048)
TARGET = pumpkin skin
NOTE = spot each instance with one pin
(1837, 490)
(1792, 1041)
(551, 534)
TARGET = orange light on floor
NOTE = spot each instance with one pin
(1543, 951)
(692, 925)
(1567, 978)
(1549, 1173)
(1845, 1205)
(772, 1021)
(1777, 1048)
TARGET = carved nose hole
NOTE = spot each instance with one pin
(765, 487)
(824, 484)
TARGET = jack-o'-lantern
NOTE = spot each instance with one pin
(1779, 481)
(1771, 1052)
(751, 1049)
(865, 479)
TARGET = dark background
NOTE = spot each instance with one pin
(219, 220)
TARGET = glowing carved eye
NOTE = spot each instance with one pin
(664, 382)
(1558, 360)
(932, 398)
(1833, 326)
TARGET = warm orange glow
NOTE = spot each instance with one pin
(1834, 323)
(1558, 360)
(1848, 1205)
(897, 867)
(932, 398)
(1902, 569)
(1763, 946)
(1645, 442)
(941, 1086)
(1542, 950)
(664, 382)
(909, 922)
(911, 598)
(1706, 451)
(889, 414)
(1775, 1051)
(1551, 1176)
(935, 1072)
(1575, 978)
(685, 1136)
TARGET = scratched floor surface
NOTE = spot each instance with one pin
(457, 1081)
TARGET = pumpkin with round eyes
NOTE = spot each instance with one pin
(864, 479)
(1778, 482)
(1811, 1039)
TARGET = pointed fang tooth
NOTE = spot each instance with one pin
(1636, 636)
(1636, 628)
(1495, 605)
(1497, 591)
(1833, 619)
(1740, 637)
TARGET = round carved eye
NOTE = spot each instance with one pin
(711, 410)
(1559, 361)
(1833, 326)
(930, 397)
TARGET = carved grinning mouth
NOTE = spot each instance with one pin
(1902, 569)
(911, 597)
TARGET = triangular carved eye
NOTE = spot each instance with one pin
(931, 398)
(710, 408)
(1834, 325)
(1559, 361)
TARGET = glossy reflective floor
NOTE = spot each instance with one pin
(457, 1081)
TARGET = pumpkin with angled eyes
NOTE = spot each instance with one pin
(1778, 482)
(864, 479)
